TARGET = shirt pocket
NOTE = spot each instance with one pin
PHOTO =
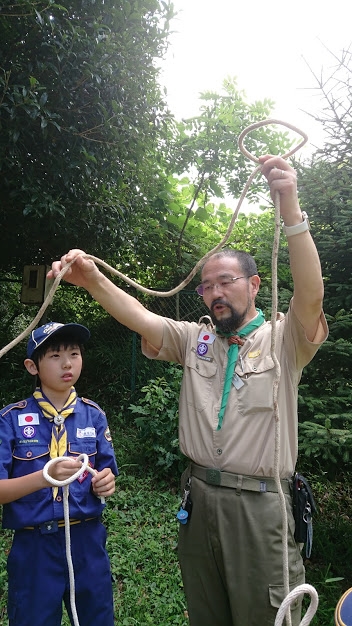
(255, 396)
(26, 459)
(31, 452)
(198, 380)
(75, 448)
(81, 486)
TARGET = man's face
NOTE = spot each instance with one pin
(231, 302)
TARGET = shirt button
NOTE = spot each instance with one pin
(29, 454)
(58, 498)
(219, 451)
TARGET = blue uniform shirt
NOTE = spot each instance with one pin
(25, 436)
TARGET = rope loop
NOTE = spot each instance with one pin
(67, 481)
(267, 122)
(64, 483)
(291, 597)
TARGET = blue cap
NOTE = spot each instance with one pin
(41, 334)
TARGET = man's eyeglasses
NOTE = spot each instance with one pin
(203, 289)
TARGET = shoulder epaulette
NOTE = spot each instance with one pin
(91, 403)
(17, 405)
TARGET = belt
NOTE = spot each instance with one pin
(52, 525)
(237, 481)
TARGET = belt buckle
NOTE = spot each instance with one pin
(49, 527)
(213, 476)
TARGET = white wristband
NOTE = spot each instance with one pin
(297, 228)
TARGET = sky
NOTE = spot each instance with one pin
(264, 45)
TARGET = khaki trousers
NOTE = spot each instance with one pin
(231, 560)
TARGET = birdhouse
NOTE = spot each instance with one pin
(35, 285)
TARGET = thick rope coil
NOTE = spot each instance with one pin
(65, 484)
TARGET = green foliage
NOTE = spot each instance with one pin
(80, 113)
(157, 423)
(327, 446)
(142, 543)
(208, 142)
(325, 400)
(328, 569)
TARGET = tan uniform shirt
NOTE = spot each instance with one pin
(246, 442)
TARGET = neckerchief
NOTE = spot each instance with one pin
(58, 443)
(235, 339)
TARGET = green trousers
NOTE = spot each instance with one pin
(231, 558)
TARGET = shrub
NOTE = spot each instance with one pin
(157, 423)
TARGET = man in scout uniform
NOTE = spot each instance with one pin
(230, 547)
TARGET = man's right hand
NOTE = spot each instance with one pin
(83, 272)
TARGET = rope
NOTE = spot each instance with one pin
(277, 373)
(297, 592)
(65, 484)
(303, 588)
(186, 281)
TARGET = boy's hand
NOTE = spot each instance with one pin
(64, 469)
(103, 483)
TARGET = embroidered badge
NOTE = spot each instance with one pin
(84, 474)
(28, 432)
(206, 337)
(202, 358)
(28, 418)
(82, 433)
(107, 434)
(49, 328)
(202, 349)
(253, 355)
(27, 441)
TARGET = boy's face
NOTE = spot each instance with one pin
(58, 370)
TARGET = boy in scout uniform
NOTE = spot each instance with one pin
(55, 422)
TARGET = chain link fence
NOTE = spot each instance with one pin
(114, 355)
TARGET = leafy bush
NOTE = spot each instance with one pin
(327, 443)
(157, 422)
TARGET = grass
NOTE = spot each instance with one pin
(142, 537)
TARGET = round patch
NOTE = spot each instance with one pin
(107, 434)
(202, 349)
(28, 432)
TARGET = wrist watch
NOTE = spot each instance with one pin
(297, 228)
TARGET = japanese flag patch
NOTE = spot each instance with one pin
(26, 419)
(206, 337)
